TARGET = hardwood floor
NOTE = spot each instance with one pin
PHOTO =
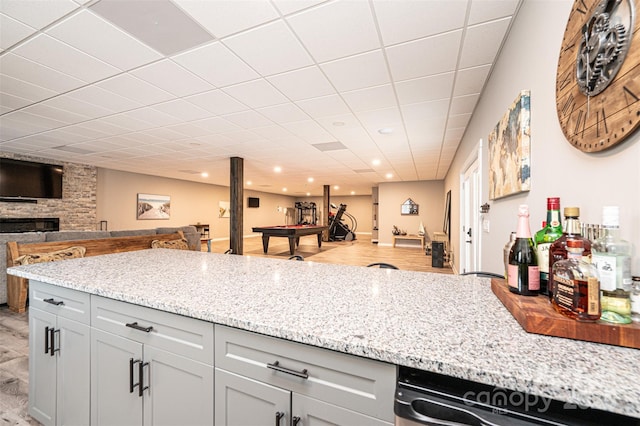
(14, 328)
(358, 252)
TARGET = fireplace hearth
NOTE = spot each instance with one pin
(29, 224)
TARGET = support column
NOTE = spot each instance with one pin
(236, 196)
(325, 212)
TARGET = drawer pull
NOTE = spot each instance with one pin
(53, 302)
(276, 366)
(139, 327)
(279, 415)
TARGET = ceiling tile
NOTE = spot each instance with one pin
(64, 58)
(284, 113)
(402, 21)
(12, 31)
(9, 102)
(248, 119)
(357, 72)
(45, 110)
(464, 104)
(216, 102)
(203, 62)
(103, 99)
(487, 10)
(101, 39)
(309, 130)
(256, 94)
(181, 109)
(409, 60)
(32, 72)
(289, 6)
(351, 30)
(23, 89)
(323, 106)
(169, 76)
(482, 42)
(471, 80)
(217, 125)
(370, 98)
(255, 47)
(128, 86)
(430, 88)
(79, 106)
(225, 17)
(37, 13)
(304, 83)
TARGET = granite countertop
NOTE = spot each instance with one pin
(447, 324)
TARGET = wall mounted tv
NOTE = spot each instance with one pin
(253, 202)
(27, 179)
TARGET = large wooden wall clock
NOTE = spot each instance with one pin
(598, 77)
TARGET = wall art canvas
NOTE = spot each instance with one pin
(510, 150)
(153, 207)
(224, 209)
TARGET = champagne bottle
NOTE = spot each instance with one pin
(612, 257)
(523, 274)
(547, 235)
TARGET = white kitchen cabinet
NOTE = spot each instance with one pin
(258, 377)
(149, 367)
(59, 360)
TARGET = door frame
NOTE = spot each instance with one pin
(475, 157)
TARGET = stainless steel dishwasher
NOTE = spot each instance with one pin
(424, 398)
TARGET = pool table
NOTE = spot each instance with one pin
(293, 232)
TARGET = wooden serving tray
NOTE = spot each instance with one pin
(536, 315)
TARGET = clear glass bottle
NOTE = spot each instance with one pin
(612, 257)
(635, 299)
(506, 251)
(576, 289)
(547, 235)
(572, 230)
(523, 273)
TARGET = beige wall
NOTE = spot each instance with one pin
(191, 202)
(429, 195)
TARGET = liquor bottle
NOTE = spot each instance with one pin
(635, 299)
(573, 231)
(523, 273)
(547, 235)
(612, 257)
(576, 289)
(505, 252)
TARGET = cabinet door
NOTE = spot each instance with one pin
(313, 412)
(42, 368)
(73, 371)
(180, 390)
(111, 401)
(241, 401)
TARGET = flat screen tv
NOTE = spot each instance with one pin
(27, 179)
(253, 202)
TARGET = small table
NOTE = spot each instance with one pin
(292, 232)
(421, 238)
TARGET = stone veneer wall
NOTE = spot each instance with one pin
(77, 209)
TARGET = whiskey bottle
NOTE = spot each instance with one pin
(573, 231)
(612, 257)
(576, 289)
(523, 273)
(547, 235)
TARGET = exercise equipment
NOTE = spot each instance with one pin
(306, 213)
(338, 229)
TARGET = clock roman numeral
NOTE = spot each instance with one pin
(581, 121)
(566, 80)
(569, 105)
(601, 118)
(629, 96)
(584, 8)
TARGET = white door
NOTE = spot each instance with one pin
(470, 214)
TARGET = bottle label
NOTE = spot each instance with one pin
(613, 271)
(543, 259)
(563, 290)
(593, 296)
(635, 301)
(534, 278)
(533, 275)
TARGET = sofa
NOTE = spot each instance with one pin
(190, 233)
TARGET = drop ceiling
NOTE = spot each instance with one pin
(320, 89)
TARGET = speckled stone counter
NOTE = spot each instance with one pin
(448, 324)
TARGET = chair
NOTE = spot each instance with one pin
(382, 265)
(296, 257)
(483, 274)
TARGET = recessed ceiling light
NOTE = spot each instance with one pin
(353, 192)
(277, 169)
(284, 189)
(375, 162)
(385, 130)
(249, 183)
(310, 179)
(336, 187)
(389, 175)
(308, 194)
(204, 174)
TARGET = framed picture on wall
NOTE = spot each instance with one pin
(510, 150)
(153, 207)
(224, 208)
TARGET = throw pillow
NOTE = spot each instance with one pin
(172, 244)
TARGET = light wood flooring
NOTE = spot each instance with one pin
(14, 328)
